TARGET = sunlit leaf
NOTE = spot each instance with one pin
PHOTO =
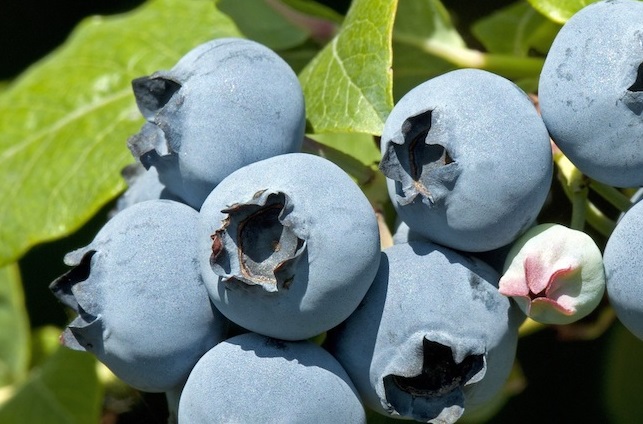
(64, 123)
(65, 390)
(348, 86)
(559, 10)
(14, 327)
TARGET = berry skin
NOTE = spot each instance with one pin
(591, 91)
(255, 379)
(622, 259)
(225, 104)
(555, 274)
(142, 185)
(142, 307)
(432, 338)
(288, 246)
(457, 150)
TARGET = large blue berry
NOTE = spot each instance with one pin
(288, 246)
(142, 307)
(468, 160)
(623, 262)
(227, 103)
(256, 379)
(591, 91)
(432, 338)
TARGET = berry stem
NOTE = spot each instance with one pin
(611, 194)
(576, 186)
(597, 219)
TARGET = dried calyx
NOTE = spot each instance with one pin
(257, 244)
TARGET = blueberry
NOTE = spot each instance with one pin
(591, 91)
(432, 338)
(555, 274)
(227, 103)
(288, 246)
(256, 379)
(142, 307)
(623, 259)
(468, 160)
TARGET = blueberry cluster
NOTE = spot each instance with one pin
(232, 249)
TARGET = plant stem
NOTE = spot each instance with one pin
(612, 195)
(598, 220)
(463, 57)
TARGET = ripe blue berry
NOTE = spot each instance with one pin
(255, 379)
(142, 307)
(227, 103)
(432, 337)
(288, 246)
(591, 91)
(622, 259)
(468, 160)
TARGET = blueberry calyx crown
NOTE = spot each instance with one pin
(435, 394)
(84, 333)
(152, 93)
(419, 167)
(440, 374)
(633, 98)
(257, 244)
(154, 143)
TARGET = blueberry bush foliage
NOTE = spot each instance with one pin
(65, 119)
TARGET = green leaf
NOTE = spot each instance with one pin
(45, 341)
(260, 20)
(517, 29)
(427, 44)
(423, 29)
(65, 122)
(14, 327)
(348, 86)
(359, 146)
(65, 390)
(623, 377)
(559, 10)
(358, 155)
